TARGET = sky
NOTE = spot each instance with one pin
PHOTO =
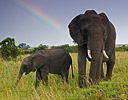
(36, 22)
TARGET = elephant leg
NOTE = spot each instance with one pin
(44, 75)
(62, 76)
(102, 72)
(66, 76)
(46, 79)
(38, 78)
(110, 65)
(82, 66)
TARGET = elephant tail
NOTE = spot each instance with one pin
(72, 70)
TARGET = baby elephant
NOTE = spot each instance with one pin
(55, 61)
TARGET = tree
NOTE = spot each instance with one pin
(65, 46)
(8, 48)
(23, 46)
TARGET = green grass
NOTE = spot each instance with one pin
(116, 89)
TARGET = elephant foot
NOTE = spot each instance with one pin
(102, 77)
(108, 78)
(37, 85)
(67, 81)
(45, 83)
(82, 84)
(96, 81)
(92, 81)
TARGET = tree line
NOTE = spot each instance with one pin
(122, 48)
(9, 50)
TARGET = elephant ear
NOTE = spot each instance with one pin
(37, 61)
(74, 30)
(105, 22)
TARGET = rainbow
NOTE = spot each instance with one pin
(40, 14)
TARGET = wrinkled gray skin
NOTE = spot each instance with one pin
(55, 61)
(94, 33)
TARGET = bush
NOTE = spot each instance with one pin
(24, 52)
(71, 49)
(40, 47)
(8, 48)
(23, 46)
(122, 48)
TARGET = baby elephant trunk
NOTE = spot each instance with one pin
(19, 76)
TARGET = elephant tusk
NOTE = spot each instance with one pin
(89, 54)
(105, 54)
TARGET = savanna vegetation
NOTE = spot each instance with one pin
(116, 89)
(122, 48)
(71, 49)
(11, 58)
(8, 49)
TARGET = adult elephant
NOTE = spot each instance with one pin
(95, 36)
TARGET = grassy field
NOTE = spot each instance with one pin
(116, 89)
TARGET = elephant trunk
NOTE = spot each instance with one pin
(95, 69)
(95, 43)
(19, 76)
(96, 55)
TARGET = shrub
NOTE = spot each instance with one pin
(71, 49)
(122, 48)
(8, 48)
(40, 47)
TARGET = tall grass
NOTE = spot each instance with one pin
(117, 88)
